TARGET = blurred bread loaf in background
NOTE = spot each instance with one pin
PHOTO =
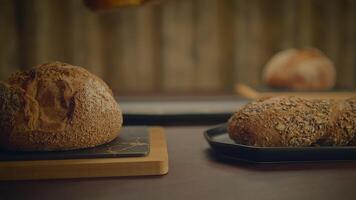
(300, 69)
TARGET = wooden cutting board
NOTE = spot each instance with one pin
(251, 93)
(155, 163)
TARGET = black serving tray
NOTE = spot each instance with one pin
(219, 141)
(131, 142)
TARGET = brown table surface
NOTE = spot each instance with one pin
(196, 174)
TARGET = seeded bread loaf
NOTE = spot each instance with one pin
(56, 106)
(295, 122)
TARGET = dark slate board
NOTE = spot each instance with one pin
(132, 142)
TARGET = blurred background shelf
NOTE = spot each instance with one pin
(179, 110)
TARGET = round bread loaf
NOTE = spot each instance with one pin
(300, 69)
(57, 106)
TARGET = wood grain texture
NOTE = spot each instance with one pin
(249, 43)
(128, 69)
(178, 53)
(347, 41)
(208, 51)
(110, 41)
(240, 43)
(227, 40)
(289, 24)
(156, 163)
(9, 52)
(85, 45)
(202, 45)
(147, 51)
(305, 25)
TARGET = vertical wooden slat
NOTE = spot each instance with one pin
(43, 32)
(93, 58)
(178, 52)
(319, 20)
(76, 38)
(351, 52)
(227, 40)
(133, 49)
(128, 71)
(241, 44)
(207, 46)
(57, 45)
(289, 26)
(110, 37)
(141, 67)
(347, 44)
(84, 40)
(332, 32)
(8, 39)
(271, 34)
(29, 29)
(249, 42)
(272, 23)
(157, 48)
(304, 31)
(256, 42)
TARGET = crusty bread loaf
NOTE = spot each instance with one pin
(295, 122)
(56, 106)
(300, 69)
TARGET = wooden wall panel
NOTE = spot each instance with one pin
(9, 51)
(29, 30)
(147, 53)
(85, 45)
(128, 70)
(347, 43)
(43, 31)
(332, 33)
(319, 26)
(227, 40)
(208, 50)
(305, 25)
(249, 42)
(178, 41)
(272, 28)
(111, 41)
(191, 45)
(289, 24)
(130, 48)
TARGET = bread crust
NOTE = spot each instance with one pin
(300, 69)
(294, 122)
(57, 106)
